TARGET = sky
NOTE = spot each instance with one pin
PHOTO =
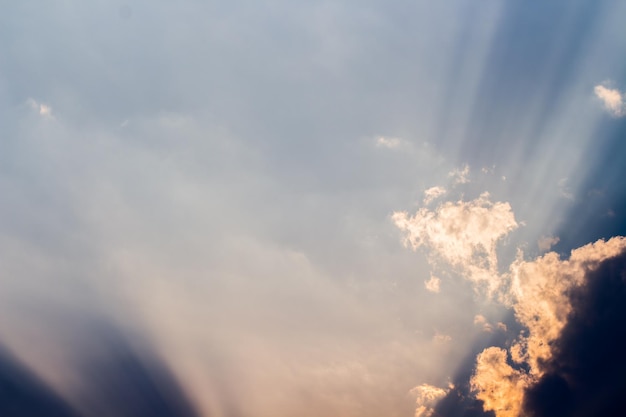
(330, 208)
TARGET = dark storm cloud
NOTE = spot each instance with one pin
(460, 400)
(115, 380)
(586, 374)
(125, 382)
(22, 394)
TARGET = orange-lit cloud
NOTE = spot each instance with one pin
(539, 296)
(426, 397)
(539, 290)
(497, 384)
(464, 234)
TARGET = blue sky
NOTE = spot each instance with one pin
(222, 183)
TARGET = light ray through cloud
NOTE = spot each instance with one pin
(317, 208)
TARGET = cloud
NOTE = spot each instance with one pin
(546, 242)
(540, 290)
(460, 176)
(613, 100)
(462, 233)
(125, 210)
(482, 322)
(390, 143)
(433, 284)
(540, 295)
(440, 338)
(426, 397)
(44, 110)
(498, 385)
(465, 234)
(433, 193)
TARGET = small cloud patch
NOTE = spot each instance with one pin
(433, 284)
(614, 100)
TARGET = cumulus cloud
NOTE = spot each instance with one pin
(433, 193)
(462, 233)
(613, 100)
(426, 397)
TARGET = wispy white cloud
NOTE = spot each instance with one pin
(465, 234)
(614, 100)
